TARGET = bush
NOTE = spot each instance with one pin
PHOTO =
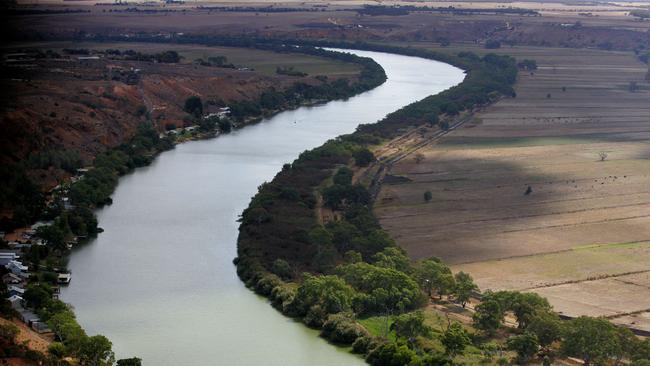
(282, 268)
(492, 44)
(343, 329)
(363, 157)
(391, 354)
(193, 106)
(363, 345)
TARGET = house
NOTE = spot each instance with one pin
(41, 327)
(64, 278)
(18, 269)
(16, 302)
(214, 111)
(27, 316)
(11, 279)
(14, 290)
(7, 256)
(19, 245)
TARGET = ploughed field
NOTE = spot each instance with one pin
(581, 238)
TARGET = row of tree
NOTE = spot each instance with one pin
(353, 268)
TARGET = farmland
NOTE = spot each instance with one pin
(576, 134)
(264, 62)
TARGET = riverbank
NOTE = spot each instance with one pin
(180, 212)
(347, 249)
(74, 202)
(341, 273)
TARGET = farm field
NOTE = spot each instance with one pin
(578, 137)
(264, 62)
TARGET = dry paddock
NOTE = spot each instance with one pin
(582, 237)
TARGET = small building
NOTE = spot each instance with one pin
(17, 268)
(11, 279)
(14, 290)
(6, 257)
(27, 316)
(16, 302)
(41, 327)
(64, 278)
(19, 245)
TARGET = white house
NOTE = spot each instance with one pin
(6, 257)
(15, 290)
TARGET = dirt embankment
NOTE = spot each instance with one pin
(91, 105)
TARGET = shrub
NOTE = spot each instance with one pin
(363, 157)
(342, 328)
(282, 268)
(193, 106)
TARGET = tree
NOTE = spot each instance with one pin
(526, 305)
(546, 327)
(65, 326)
(224, 125)
(134, 361)
(392, 257)
(282, 268)
(97, 351)
(52, 235)
(433, 274)
(391, 354)
(594, 340)
(603, 155)
(343, 176)
(37, 295)
(525, 345)
(488, 316)
(427, 196)
(363, 157)
(193, 106)
(218, 60)
(410, 326)
(464, 287)
(492, 44)
(331, 293)
(455, 339)
(385, 290)
(57, 349)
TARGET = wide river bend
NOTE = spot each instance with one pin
(160, 283)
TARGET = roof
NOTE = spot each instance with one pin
(14, 298)
(16, 289)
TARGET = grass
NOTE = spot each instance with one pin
(264, 62)
(379, 327)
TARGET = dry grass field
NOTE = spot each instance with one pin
(582, 236)
(264, 62)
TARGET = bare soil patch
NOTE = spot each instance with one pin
(580, 236)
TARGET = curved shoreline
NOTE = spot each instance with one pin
(267, 235)
(170, 232)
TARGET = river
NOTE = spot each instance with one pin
(160, 283)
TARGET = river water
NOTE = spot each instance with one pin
(160, 283)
